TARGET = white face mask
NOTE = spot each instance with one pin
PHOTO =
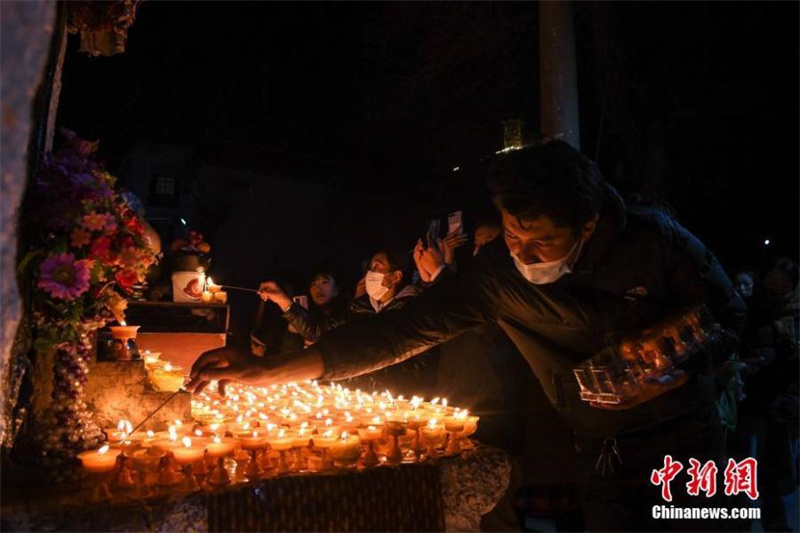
(548, 272)
(374, 283)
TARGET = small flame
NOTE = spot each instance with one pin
(168, 367)
(214, 427)
(217, 440)
(123, 323)
(344, 436)
(187, 442)
(173, 435)
(150, 434)
(281, 433)
(432, 423)
(103, 449)
(371, 428)
(255, 434)
(329, 422)
(328, 433)
(198, 433)
(376, 420)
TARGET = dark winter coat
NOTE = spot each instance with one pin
(637, 267)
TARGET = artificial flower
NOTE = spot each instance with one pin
(63, 277)
(80, 237)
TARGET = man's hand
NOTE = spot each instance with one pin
(227, 364)
(270, 291)
(449, 245)
(650, 389)
(230, 364)
(431, 259)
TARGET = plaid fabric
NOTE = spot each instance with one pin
(408, 498)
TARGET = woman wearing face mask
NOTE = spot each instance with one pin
(327, 308)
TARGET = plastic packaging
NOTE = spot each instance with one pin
(617, 373)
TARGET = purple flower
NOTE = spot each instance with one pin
(63, 277)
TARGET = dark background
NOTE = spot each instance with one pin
(694, 102)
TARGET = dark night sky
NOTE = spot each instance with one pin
(700, 99)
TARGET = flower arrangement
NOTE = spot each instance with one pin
(93, 249)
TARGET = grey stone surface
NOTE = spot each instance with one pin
(25, 30)
(472, 486)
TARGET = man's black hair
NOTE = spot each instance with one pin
(396, 260)
(551, 179)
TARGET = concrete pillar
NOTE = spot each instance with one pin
(558, 72)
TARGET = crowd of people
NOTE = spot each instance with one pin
(499, 323)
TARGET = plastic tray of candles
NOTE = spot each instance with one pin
(296, 429)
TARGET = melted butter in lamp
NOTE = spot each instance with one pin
(99, 461)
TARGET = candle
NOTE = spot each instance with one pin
(99, 461)
(207, 297)
(221, 297)
(370, 432)
(220, 446)
(325, 440)
(124, 332)
(281, 441)
(214, 428)
(144, 458)
(168, 378)
(253, 441)
(212, 287)
(123, 429)
(454, 424)
(302, 438)
(188, 454)
(346, 450)
(241, 430)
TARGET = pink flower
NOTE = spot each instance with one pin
(64, 278)
(80, 237)
(94, 221)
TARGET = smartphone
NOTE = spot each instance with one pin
(434, 230)
(302, 301)
(454, 223)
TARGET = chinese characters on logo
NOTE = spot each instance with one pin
(739, 477)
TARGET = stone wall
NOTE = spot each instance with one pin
(25, 33)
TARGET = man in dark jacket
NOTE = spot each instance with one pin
(574, 267)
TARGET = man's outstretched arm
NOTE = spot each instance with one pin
(358, 347)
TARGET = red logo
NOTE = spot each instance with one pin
(741, 477)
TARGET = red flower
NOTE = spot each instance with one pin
(101, 250)
(126, 278)
(134, 225)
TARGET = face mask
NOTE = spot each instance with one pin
(374, 283)
(548, 272)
